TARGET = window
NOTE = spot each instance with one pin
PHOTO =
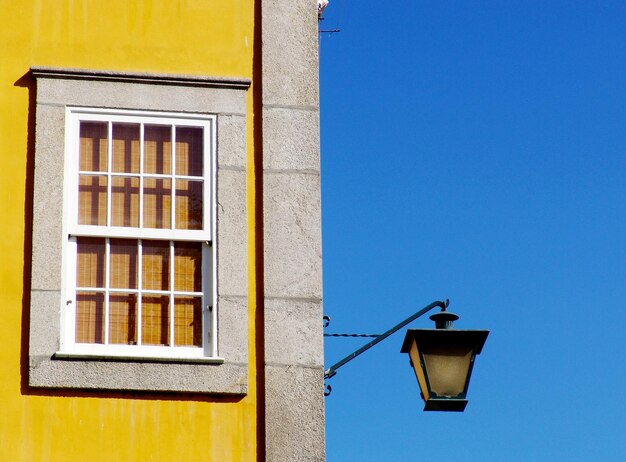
(138, 258)
(139, 233)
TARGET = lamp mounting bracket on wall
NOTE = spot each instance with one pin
(332, 370)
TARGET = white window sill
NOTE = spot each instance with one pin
(139, 358)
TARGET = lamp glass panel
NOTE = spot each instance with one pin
(419, 372)
(447, 368)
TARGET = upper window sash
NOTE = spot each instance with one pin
(145, 119)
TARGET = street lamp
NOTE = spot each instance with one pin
(442, 358)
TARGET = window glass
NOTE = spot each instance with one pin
(189, 151)
(188, 266)
(125, 148)
(92, 200)
(157, 203)
(188, 204)
(157, 157)
(187, 323)
(93, 147)
(155, 320)
(89, 317)
(125, 201)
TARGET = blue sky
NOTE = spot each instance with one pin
(476, 151)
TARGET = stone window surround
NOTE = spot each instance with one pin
(223, 97)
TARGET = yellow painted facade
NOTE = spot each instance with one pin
(196, 37)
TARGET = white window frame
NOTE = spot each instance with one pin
(68, 345)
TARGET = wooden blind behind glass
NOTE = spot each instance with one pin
(107, 275)
(139, 291)
(126, 182)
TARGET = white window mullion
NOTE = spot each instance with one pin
(141, 154)
(173, 180)
(139, 294)
(134, 233)
(107, 271)
(171, 324)
(124, 291)
(109, 170)
(190, 177)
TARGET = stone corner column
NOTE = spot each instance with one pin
(293, 337)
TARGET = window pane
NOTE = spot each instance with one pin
(189, 151)
(188, 266)
(93, 147)
(123, 267)
(155, 320)
(125, 148)
(125, 201)
(89, 317)
(157, 150)
(90, 266)
(188, 204)
(123, 319)
(92, 200)
(188, 321)
(155, 270)
(157, 203)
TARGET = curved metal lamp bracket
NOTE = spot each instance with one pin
(332, 370)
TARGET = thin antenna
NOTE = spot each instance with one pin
(321, 5)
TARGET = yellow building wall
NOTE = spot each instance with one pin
(199, 37)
